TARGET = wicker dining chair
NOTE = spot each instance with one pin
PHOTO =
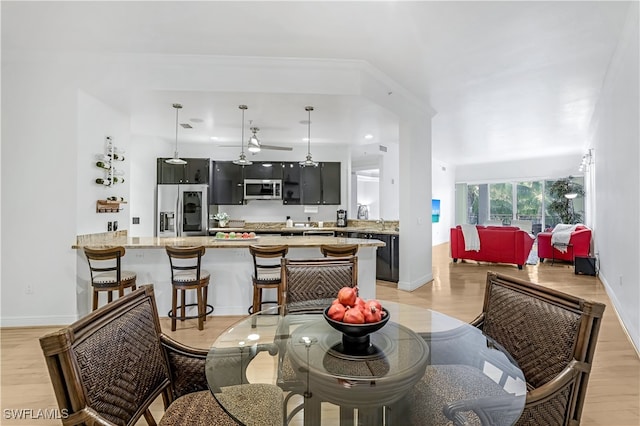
(108, 367)
(550, 334)
(310, 285)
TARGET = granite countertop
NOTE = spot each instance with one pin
(121, 239)
(364, 226)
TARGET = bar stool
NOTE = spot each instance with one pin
(266, 274)
(106, 272)
(343, 250)
(186, 274)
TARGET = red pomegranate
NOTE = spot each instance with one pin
(372, 314)
(336, 312)
(353, 316)
(347, 296)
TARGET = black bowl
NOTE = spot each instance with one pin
(357, 330)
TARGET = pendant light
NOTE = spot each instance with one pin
(176, 159)
(242, 160)
(308, 162)
(254, 143)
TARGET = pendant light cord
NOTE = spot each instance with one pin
(176, 150)
(309, 132)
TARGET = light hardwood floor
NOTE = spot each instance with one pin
(613, 397)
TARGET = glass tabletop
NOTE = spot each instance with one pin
(419, 361)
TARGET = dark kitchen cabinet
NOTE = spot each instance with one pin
(263, 170)
(195, 171)
(311, 185)
(227, 183)
(387, 257)
(291, 187)
(330, 175)
(311, 181)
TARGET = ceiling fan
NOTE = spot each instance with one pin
(254, 145)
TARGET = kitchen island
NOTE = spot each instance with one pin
(228, 261)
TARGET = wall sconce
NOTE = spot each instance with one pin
(587, 160)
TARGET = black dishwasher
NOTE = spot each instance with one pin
(387, 257)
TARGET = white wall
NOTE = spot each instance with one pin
(370, 156)
(96, 121)
(443, 185)
(369, 195)
(523, 170)
(617, 154)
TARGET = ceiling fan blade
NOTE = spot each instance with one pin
(276, 148)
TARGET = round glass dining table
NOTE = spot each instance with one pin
(419, 368)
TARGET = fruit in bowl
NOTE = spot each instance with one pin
(355, 316)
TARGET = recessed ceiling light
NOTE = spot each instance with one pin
(214, 138)
(305, 139)
(368, 136)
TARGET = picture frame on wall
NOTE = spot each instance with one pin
(435, 211)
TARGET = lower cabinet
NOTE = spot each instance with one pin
(387, 257)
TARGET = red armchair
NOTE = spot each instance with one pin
(580, 243)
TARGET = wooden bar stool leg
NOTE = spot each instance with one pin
(174, 308)
(205, 290)
(110, 297)
(201, 310)
(182, 301)
(95, 299)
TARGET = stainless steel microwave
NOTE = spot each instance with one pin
(263, 189)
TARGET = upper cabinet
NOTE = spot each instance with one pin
(195, 171)
(311, 181)
(315, 185)
(300, 185)
(263, 170)
(227, 183)
(330, 175)
(291, 183)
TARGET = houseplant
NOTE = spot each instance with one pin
(561, 205)
(222, 218)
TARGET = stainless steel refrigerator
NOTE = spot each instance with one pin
(181, 210)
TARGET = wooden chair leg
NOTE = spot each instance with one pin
(149, 418)
(110, 296)
(95, 299)
(174, 306)
(257, 293)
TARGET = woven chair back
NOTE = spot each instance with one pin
(544, 330)
(312, 284)
(110, 361)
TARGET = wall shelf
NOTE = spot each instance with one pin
(109, 206)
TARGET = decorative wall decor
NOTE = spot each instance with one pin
(107, 163)
(435, 211)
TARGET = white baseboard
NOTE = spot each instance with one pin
(410, 286)
(60, 320)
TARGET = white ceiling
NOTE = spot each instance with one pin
(507, 79)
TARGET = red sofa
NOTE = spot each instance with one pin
(500, 244)
(580, 242)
